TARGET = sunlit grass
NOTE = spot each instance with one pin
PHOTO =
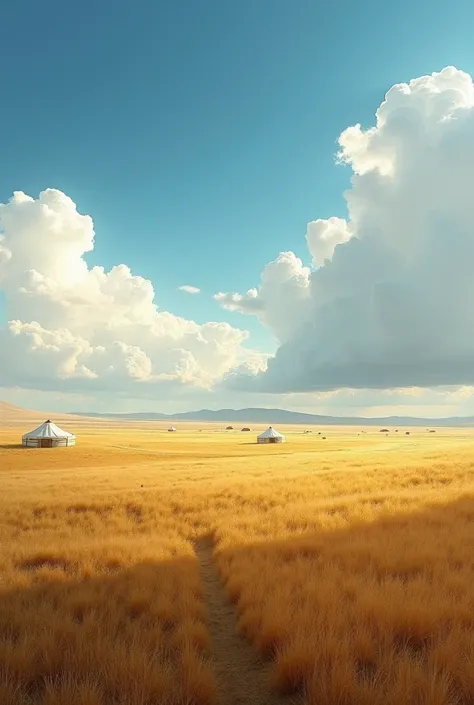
(348, 560)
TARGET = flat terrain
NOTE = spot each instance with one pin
(144, 567)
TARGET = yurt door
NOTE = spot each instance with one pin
(46, 443)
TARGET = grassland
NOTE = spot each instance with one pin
(348, 562)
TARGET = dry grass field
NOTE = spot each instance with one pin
(142, 567)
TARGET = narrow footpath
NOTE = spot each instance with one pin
(243, 678)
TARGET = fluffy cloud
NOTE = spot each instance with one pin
(72, 327)
(281, 298)
(322, 236)
(384, 302)
(189, 289)
(389, 299)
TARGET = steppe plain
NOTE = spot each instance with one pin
(142, 567)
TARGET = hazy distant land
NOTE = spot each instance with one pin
(282, 416)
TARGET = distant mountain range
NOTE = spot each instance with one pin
(274, 416)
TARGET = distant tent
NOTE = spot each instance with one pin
(270, 436)
(48, 435)
(171, 428)
(230, 428)
(245, 429)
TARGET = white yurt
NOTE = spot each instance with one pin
(171, 428)
(48, 435)
(270, 436)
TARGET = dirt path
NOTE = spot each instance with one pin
(244, 679)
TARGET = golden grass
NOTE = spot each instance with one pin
(349, 561)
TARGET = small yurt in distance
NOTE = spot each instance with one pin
(48, 435)
(171, 428)
(270, 436)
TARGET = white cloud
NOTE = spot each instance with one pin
(323, 236)
(281, 298)
(72, 327)
(385, 301)
(189, 289)
(389, 302)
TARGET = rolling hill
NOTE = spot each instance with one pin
(282, 416)
(11, 415)
(14, 415)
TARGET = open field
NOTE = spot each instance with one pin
(348, 563)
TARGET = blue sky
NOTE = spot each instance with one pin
(200, 136)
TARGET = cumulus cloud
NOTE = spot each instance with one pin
(72, 327)
(189, 289)
(388, 301)
(280, 299)
(384, 300)
(322, 237)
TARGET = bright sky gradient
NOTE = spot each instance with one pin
(200, 137)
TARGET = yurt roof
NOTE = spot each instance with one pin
(270, 433)
(48, 429)
(171, 428)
